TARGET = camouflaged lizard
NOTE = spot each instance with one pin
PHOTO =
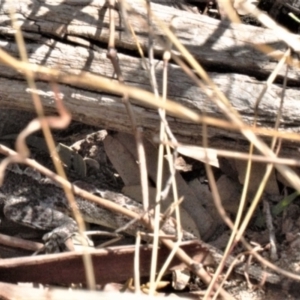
(35, 201)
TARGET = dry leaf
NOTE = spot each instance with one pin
(122, 160)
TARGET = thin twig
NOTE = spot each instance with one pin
(15, 242)
(269, 222)
(160, 159)
(137, 283)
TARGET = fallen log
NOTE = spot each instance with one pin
(72, 35)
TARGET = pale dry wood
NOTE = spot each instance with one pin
(213, 43)
(240, 89)
(107, 111)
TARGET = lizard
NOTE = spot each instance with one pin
(35, 201)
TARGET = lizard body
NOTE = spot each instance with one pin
(35, 201)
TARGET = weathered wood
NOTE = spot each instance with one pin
(211, 42)
(215, 44)
(108, 111)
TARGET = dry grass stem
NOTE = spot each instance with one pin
(44, 124)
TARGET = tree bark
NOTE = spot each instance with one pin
(71, 35)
